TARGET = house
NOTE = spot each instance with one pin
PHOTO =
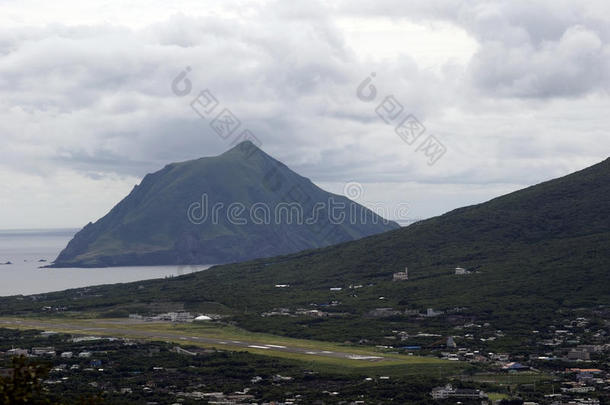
(401, 275)
(67, 355)
(180, 316)
(585, 374)
(583, 401)
(590, 348)
(84, 355)
(43, 351)
(174, 317)
(513, 366)
(578, 354)
(17, 352)
(312, 312)
(383, 312)
(430, 313)
(585, 370)
(499, 356)
(451, 343)
(60, 368)
(578, 389)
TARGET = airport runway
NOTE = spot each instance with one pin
(124, 331)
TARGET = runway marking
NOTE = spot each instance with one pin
(359, 357)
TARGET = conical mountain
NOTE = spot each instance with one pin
(240, 205)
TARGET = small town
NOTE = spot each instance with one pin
(568, 364)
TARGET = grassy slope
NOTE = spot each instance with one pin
(534, 251)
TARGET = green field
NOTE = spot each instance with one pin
(388, 364)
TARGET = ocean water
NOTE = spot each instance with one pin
(25, 249)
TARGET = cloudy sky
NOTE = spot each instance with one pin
(516, 92)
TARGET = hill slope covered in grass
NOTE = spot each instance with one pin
(237, 206)
(531, 253)
(549, 242)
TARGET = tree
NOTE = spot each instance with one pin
(24, 386)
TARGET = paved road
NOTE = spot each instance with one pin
(123, 331)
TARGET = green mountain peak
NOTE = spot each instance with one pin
(240, 205)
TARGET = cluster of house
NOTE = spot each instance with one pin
(569, 333)
(579, 381)
(555, 399)
(404, 275)
(501, 360)
(178, 317)
(168, 317)
(448, 391)
(50, 352)
(566, 342)
(576, 401)
(584, 352)
(240, 397)
(387, 312)
(47, 351)
(217, 397)
(572, 392)
(315, 313)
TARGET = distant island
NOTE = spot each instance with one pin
(238, 206)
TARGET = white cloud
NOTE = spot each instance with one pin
(575, 64)
(85, 93)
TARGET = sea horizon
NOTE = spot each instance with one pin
(29, 250)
